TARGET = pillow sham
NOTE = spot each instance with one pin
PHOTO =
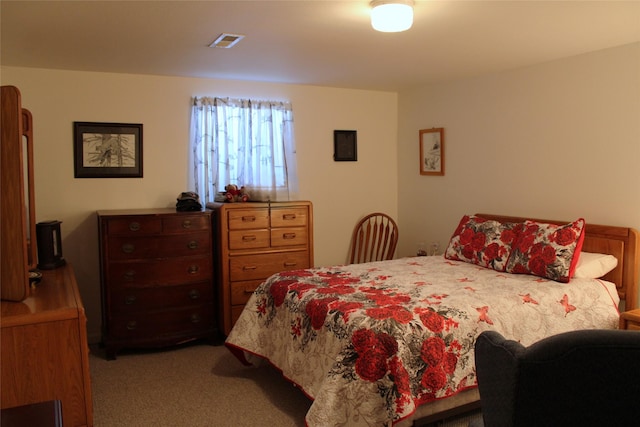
(483, 242)
(593, 265)
(547, 250)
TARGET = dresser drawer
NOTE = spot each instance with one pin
(248, 239)
(252, 267)
(289, 217)
(294, 236)
(161, 323)
(256, 240)
(236, 311)
(141, 299)
(143, 247)
(142, 225)
(182, 223)
(243, 219)
(157, 278)
(242, 291)
(163, 272)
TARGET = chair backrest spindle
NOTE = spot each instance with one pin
(374, 239)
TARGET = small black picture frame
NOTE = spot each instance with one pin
(107, 150)
(345, 146)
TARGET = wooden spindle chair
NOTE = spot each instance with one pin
(374, 239)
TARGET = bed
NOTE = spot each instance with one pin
(391, 342)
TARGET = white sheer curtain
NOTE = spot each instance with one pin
(243, 142)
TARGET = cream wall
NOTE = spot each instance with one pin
(556, 140)
(341, 192)
(559, 140)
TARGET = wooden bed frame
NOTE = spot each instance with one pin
(621, 242)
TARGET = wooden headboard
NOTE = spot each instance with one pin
(621, 242)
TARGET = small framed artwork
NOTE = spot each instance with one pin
(432, 151)
(345, 146)
(107, 150)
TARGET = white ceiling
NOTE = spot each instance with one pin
(311, 42)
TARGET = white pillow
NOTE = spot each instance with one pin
(592, 265)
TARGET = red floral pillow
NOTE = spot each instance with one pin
(483, 242)
(547, 250)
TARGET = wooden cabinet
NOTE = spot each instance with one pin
(157, 282)
(17, 205)
(254, 241)
(45, 355)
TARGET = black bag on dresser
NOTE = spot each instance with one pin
(188, 201)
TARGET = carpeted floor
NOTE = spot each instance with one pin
(193, 385)
(199, 385)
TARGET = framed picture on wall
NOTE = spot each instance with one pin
(432, 151)
(345, 148)
(107, 150)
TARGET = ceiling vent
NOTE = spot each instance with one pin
(226, 40)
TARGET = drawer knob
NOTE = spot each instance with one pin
(186, 223)
(194, 294)
(128, 248)
(248, 267)
(129, 275)
(289, 236)
(131, 325)
(289, 217)
(193, 269)
(249, 238)
(195, 318)
(248, 218)
(130, 299)
(290, 264)
(134, 226)
(193, 244)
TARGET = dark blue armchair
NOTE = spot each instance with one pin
(579, 378)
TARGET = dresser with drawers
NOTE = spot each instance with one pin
(45, 352)
(254, 241)
(157, 282)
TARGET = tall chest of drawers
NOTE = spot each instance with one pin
(254, 241)
(157, 280)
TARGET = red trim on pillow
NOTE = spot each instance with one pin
(578, 250)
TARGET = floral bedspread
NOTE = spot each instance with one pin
(371, 342)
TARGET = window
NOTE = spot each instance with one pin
(243, 142)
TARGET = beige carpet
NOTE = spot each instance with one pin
(199, 385)
(194, 385)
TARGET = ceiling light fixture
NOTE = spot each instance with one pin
(391, 16)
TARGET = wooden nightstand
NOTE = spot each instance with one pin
(630, 320)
